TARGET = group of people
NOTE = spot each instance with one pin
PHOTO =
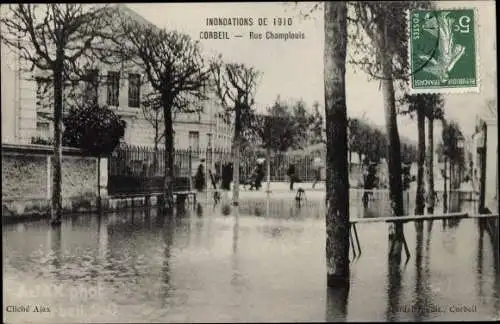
(257, 176)
(225, 177)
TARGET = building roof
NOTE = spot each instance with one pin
(124, 9)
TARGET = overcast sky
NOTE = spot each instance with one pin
(293, 69)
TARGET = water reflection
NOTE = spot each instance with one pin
(102, 237)
(168, 231)
(336, 304)
(430, 224)
(199, 210)
(423, 300)
(55, 236)
(480, 260)
(496, 286)
(235, 259)
(268, 206)
(394, 276)
(187, 268)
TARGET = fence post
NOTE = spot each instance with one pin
(305, 163)
(208, 166)
(49, 177)
(190, 169)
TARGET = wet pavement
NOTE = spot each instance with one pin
(264, 263)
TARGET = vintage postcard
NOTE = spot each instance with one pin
(250, 162)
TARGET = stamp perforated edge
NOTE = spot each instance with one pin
(456, 90)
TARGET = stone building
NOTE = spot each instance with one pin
(485, 154)
(25, 106)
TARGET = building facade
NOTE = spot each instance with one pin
(485, 155)
(27, 106)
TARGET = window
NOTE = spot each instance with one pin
(209, 139)
(39, 93)
(194, 140)
(42, 94)
(113, 88)
(43, 125)
(92, 85)
(43, 129)
(134, 90)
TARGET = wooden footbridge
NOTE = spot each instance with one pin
(354, 238)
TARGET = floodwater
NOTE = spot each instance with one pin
(263, 264)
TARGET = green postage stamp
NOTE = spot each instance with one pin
(443, 51)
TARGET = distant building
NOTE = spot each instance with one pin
(26, 108)
(486, 151)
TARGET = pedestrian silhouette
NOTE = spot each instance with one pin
(200, 178)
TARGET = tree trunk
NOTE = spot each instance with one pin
(337, 217)
(56, 210)
(445, 189)
(168, 175)
(155, 156)
(453, 178)
(236, 155)
(394, 148)
(99, 184)
(268, 167)
(419, 199)
(430, 166)
(482, 171)
(350, 161)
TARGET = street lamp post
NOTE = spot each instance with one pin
(445, 193)
(460, 145)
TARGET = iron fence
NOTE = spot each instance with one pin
(141, 161)
(143, 167)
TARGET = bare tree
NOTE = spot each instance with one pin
(175, 69)
(424, 106)
(435, 112)
(235, 86)
(153, 113)
(337, 217)
(284, 126)
(384, 57)
(378, 39)
(59, 40)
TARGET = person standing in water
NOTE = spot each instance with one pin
(199, 181)
(317, 164)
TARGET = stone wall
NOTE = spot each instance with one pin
(27, 180)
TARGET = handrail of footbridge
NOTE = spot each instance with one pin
(404, 219)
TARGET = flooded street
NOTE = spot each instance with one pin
(207, 267)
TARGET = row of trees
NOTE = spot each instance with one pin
(424, 106)
(377, 35)
(284, 126)
(369, 141)
(63, 41)
(59, 42)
